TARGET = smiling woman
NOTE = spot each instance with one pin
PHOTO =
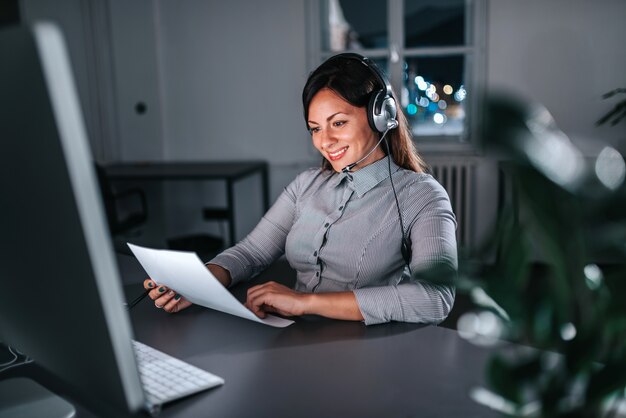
(362, 231)
(342, 134)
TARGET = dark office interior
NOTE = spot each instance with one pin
(193, 117)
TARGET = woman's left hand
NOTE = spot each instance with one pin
(276, 298)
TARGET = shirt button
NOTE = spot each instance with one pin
(317, 274)
(315, 254)
(326, 225)
(340, 207)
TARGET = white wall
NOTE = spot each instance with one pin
(222, 80)
(73, 18)
(232, 74)
(232, 77)
(134, 43)
(564, 54)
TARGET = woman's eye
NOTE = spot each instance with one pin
(314, 130)
(339, 123)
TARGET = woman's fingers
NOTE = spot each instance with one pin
(177, 305)
(165, 298)
(256, 306)
(257, 298)
(274, 297)
(156, 292)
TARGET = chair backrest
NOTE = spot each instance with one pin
(108, 197)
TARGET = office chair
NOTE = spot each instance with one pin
(207, 246)
(122, 222)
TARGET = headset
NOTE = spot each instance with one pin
(381, 116)
(382, 109)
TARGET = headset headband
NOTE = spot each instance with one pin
(371, 65)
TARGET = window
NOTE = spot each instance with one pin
(429, 49)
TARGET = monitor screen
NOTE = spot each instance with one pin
(61, 301)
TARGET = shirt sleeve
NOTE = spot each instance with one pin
(265, 243)
(428, 294)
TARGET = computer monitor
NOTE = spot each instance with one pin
(61, 301)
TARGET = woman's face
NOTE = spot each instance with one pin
(340, 131)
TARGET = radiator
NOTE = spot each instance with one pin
(458, 176)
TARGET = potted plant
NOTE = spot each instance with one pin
(558, 282)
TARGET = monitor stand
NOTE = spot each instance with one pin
(25, 398)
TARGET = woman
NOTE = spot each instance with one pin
(348, 227)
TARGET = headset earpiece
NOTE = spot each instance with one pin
(381, 112)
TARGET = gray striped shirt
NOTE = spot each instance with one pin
(341, 232)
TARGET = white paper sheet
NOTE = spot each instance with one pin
(185, 273)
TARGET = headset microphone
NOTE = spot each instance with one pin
(349, 167)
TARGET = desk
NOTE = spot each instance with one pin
(313, 368)
(230, 172)
(319, 368)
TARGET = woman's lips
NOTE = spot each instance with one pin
(336, 155)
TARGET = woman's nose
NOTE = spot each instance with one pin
(327, 139)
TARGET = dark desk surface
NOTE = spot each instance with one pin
(160, 170)
(318, 368)
(313, 368)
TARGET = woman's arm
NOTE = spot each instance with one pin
(276, 298)
(253, 254)
(428, 295)
(266, 242)
(221, 274)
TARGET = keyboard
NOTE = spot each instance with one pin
(166, 378)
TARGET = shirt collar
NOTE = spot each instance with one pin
(366, 178)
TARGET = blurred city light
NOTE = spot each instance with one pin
(460, 94)
(420, 83)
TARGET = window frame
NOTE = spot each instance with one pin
(474, 53)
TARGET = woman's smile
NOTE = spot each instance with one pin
(338, 154)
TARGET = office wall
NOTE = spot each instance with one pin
(134, 44)
(232, 76)
(564, 54)
(232, 73)
(219, 81)
(112, 47)
(72, 17)
(222, 80)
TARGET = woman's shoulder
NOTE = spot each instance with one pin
(310, 174)
(423, 185)
(423, 179)
(308, 178)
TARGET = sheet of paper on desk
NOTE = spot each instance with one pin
(184, 272)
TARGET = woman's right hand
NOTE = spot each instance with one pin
(165, 298)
